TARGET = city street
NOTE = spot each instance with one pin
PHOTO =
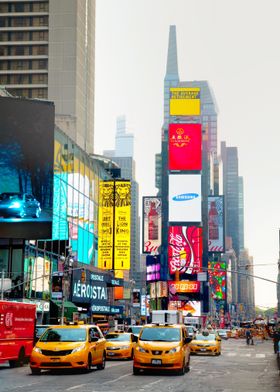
(239, 368)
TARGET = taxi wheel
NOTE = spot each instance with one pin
(101, 365)
(136, 371)
(35, 372)
(89, 362)
(182, 371)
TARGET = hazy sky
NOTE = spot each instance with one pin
(232, 44)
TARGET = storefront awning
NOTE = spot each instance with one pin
(69, 308)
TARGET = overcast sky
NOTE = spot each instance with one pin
(234, 45)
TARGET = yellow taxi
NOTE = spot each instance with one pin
(162, 346)
(69, 346)
(120, 345)
(206, 342)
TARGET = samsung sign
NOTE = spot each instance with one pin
(184, 198)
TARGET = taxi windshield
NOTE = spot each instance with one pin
(161, 334)
(64, 335)
(205, 337)
(124, 337)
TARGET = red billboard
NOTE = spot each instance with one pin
(184, 249)
(184, 147)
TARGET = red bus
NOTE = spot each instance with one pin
(17, 325)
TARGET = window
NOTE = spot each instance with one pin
(19, 7)
(19, 36)
(19, 50)
(2, 22)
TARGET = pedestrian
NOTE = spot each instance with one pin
(249, 338)
(276, 339)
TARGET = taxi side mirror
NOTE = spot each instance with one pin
(134, 338)
(187, 340)
(218, 338)
(93, 339)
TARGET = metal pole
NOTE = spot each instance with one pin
(2, 284)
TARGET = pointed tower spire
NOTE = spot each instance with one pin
(172, 65)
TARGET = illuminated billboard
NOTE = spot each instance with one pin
(184, 147)
(183, 286)
(105, 224)
(26, 167)
(184, 101)
(184, 198)
(122, 225)
(184, 249)
(217, 279)
(188, 308)
(152, 268)
(151, 224)
(216, 224)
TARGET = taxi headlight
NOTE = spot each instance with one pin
(173, 350)
(77, 349)
(141, 350)
(37, 350)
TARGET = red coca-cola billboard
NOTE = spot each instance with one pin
(184, 147)
(184, 249)
(151, 224)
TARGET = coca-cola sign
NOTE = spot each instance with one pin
(151, 224)
(216, 224)
(184, 249)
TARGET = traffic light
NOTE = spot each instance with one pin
(83, 276)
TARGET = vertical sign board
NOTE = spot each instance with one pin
(184, 249)
(122, 225)
(105, 224)
(185, 147)
(216, 224)
(184, 101)
(151, 224)
(184, 198)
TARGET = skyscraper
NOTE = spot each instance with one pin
(47, 52)
(123, 156)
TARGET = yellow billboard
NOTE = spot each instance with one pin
(184, 101)
(105, 224)
(122, 225)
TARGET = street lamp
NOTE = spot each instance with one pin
(67, 266)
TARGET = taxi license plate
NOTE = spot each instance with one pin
(156, 361)
(203, 349)
(109, 353)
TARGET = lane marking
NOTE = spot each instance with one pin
(260, 355)
(75, 387)
(116, 379)
(150, 384)
(231, 354)
(245, 355)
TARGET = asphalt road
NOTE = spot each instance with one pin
(239, 368)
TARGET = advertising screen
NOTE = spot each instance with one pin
(184, 101)
(184, 147)
(184, 286)
(26, 167)
(184, 249)
(216, 224)
(92, 289)
(217, 279)
(105, 224)
(153, 268)
(136, 297)
(151, 224)
(189, 308)
(184, 198)
(122, 225)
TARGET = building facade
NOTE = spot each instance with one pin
(47, 52)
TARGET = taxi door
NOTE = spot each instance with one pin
(186, 345)
(97, 346)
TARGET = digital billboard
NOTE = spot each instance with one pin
(105, 224)
(184, 101)
(184, 198)
(152, 268)
(185, 147)
(151, 224)
(26, 167)
(216, 236)
(184, 286)
(122, 225)
(217, 279)
(189, 308)
(184, 249)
